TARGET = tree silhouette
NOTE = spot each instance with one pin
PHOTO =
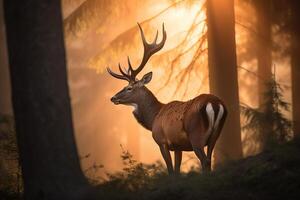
(42, 111)
(277, 125)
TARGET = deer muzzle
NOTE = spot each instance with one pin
(115, 100)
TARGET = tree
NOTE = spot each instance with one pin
(264, 56)
(287, 20)
(295, 64)
(272, 116)
(41, 102)
(5, 102)
(223, 74)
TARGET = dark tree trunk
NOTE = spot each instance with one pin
(5, 91)
(41, 101)
(295, 64)
(223, 74)
(264, 57)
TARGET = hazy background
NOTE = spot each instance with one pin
(100, 40)
(102, 33)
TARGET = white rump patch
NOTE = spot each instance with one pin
(211, 116)
(212, 123)
(220, 115)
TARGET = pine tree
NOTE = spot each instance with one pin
(277, 127)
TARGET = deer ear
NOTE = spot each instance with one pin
(147, 78)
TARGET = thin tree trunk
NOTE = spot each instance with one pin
(264, 58)
(223, 74)
(295, 65)
(5, 90)
(48, 154)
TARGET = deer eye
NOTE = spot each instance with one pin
(129, 89)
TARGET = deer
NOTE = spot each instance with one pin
(176, 126)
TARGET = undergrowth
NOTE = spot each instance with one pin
(273, 174)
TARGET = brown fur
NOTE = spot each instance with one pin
(176, 121)
(176, 126)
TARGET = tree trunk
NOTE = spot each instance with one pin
(295, 65)
(264, 58)
(41, 102)
(223, 74)
(5, 90)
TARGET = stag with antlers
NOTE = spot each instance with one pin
(176, 126)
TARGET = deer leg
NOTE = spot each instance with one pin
(205, 162)
(178, 157)
(211, 144)
(198, 143)
(167, 157)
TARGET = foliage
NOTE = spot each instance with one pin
(8, 137)
(273, 174)
(92, 171)
(10, 171)
(271, 120)
(92, 14)
(135, 175)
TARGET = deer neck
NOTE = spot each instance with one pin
(146, 109)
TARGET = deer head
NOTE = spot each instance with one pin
(136, 90)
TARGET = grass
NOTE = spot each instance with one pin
(273, 174)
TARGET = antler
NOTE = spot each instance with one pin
(149, 50)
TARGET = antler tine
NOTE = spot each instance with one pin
(155, 40)
(163, 40)
(130, 69)
(149, 49)
(164, 33)
(118, 76)
(142, 35)
(121, 70)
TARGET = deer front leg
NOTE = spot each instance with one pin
(167, 157)
(178, 157)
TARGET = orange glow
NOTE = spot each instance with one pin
(101, 126)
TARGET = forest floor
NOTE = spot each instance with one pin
(272, 174)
